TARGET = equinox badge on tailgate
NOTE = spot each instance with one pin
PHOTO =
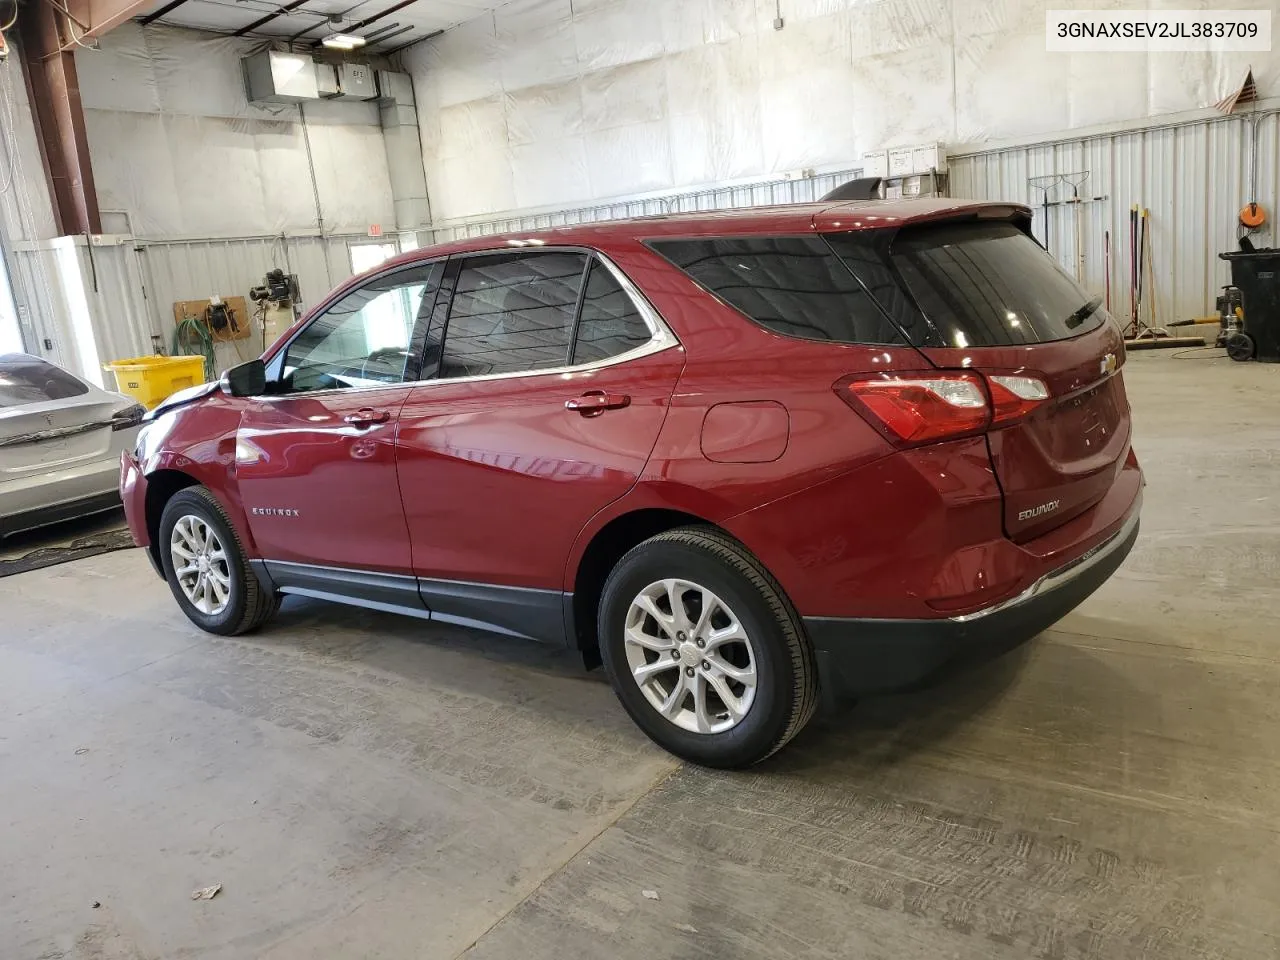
(1039, 511)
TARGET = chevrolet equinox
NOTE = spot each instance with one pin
(747, 460)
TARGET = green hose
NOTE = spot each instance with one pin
(192, 338)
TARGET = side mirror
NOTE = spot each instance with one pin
(246, 379)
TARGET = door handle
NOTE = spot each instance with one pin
(367, 417)
(595, 402)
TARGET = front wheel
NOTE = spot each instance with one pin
(704, 650)
(205, 566)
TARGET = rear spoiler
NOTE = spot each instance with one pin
(863, 188)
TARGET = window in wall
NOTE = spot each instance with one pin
(611, 323)
(512, 312)
(364, 339)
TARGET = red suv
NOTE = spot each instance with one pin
(746, 459)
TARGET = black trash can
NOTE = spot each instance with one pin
(1257, 274)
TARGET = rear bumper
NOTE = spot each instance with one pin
(863, 656)
(57, 512)
(41, 499)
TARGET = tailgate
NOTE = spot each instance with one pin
(981, 295)
(1062, 457)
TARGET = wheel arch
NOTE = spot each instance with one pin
(606, 547)
(161, 486)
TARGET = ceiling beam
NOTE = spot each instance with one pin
(405, 46)
(103, 16)
(155, 15)
(281, 12)
(359, 24)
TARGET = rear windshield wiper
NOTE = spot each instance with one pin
(1083, 314)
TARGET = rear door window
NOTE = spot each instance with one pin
(794, 286)
(512, 312)
(25, 379)
(610, 323)
(990, 285)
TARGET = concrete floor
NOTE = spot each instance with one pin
(368, 786)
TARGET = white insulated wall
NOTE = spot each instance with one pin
(552, 104)
(177, 147)
(214, 190)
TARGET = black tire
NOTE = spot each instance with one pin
(249, 604)
(1240, 347)
(786, 677)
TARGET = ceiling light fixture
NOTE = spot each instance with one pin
(342, 41)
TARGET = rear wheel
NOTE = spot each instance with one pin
(205, 566)
(704, 650)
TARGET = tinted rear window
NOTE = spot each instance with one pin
(990, 285)
(25, 379)
(794, 286)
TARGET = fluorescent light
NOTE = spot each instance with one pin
(342, 41)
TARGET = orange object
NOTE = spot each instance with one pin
(1252, 215)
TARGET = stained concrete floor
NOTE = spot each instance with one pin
(368, 786)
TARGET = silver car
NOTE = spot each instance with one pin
(60, 444)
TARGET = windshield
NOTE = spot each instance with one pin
(25, 379)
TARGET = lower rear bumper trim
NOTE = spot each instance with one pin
(857, 657)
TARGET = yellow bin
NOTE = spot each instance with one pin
(149, 380)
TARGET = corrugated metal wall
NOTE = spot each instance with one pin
(1193, 178)
(799, 190)
(137, 283)
(195, 269)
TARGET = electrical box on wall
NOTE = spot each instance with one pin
(275, 77)
(346, 81)
(356, 82)
(898, 162)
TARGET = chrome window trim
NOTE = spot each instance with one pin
(661, 335)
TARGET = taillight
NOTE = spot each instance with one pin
(917, 408)
(1014, 397)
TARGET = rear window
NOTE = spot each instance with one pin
(25, 379)
(990, 285)
(795, 286)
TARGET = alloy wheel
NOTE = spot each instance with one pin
(690, 656)
(200, 564)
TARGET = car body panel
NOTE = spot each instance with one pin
(1067, 453)
(319, 489)
(527, 472)
(59, 458)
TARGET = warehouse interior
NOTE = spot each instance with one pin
(191, 177)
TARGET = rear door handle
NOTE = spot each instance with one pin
(595, 402)
(367, 417)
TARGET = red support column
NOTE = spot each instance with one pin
(55, 102)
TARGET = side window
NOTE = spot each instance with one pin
(795, 286)
(512, 312)
(365, 338)
(610, 322)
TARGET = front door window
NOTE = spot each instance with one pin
(365, 339)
